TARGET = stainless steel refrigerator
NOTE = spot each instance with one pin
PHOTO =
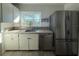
(64, 24)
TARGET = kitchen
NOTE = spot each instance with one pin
(38, 29)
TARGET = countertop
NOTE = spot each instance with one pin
(23, 31)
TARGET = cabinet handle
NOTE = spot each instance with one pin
(11, 38)
(28, 38)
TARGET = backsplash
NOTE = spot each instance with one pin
(40, 28)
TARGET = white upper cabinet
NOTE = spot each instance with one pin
(10, 13)
(7, 12)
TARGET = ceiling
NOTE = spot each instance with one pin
(41, 3)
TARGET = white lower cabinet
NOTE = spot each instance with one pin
(21, 41)
(28, 41)
(11, 41)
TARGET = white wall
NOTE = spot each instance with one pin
(0, 16)
(0, 33)
(45, 9)
(0, 11)
(71, 6)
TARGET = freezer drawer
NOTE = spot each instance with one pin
(72, 48)
(68, 48)
(60, 47)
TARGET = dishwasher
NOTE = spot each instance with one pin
(46, 41)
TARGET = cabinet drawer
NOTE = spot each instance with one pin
(32, 36)
(10, 35)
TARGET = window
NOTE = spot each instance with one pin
(33, 18)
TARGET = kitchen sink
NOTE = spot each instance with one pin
(28, 30)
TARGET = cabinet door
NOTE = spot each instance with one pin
(23, 41)
(7, 12)
(33, 41)
(11, 41)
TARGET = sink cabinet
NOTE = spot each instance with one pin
(28, 41)
(21, 41)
